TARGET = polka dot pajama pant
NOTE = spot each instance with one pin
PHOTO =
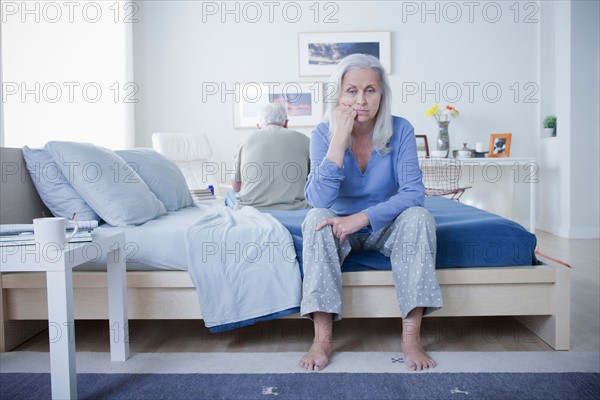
(409, 241)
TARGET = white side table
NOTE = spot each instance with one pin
(58, 265)
(523, 170)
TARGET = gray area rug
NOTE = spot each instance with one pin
(313, 386)
(350, 375)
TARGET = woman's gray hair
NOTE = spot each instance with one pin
(272, 113)
(382, 131)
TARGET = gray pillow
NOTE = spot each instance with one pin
(163, 177)
(105, 181)
(52, 186)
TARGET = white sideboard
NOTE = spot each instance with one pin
(504, 186)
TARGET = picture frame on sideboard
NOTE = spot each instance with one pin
(500, 145)
(422, 146)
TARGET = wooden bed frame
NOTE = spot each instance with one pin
(538, 296)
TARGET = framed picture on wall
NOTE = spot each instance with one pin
(319, 53)
(304, 102)
(422, 146)
(500, 145)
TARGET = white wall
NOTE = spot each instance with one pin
(1, 102)
(585, 120)
(569, 73)
(176, 52)
(554, 154)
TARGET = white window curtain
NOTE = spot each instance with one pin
(67, 73)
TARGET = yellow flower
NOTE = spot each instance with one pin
(442, 115)
(432, 111)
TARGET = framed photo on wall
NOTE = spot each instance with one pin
(422, 146)
(304, 102)
(500, 145)
(319, 53)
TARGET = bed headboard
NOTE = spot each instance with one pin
(19, 201)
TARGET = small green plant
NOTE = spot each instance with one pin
(550, 121)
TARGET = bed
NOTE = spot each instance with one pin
(537, 295)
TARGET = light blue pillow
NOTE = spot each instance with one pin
(163, 177)
(52, 186)
(105, 181)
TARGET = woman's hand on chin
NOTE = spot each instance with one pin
(343, 121)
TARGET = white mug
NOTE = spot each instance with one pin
(51, 231)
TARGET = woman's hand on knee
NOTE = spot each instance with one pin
(344, 226)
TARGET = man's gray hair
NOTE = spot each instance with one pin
(382, 131)
(272, 113)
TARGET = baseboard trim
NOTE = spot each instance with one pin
(584, 233)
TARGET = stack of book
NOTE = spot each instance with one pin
(203, 194)
(22, 234)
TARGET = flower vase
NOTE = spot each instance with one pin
(443, 140)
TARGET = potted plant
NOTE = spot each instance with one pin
(550, 126)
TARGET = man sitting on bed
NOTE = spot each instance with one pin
(272, 164)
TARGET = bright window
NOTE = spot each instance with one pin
(67, 73)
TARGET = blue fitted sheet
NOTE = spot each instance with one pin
(467, 237)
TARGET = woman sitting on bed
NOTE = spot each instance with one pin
(366, 189)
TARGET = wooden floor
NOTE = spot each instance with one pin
(439, 334)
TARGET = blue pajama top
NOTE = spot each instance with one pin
(391, 183)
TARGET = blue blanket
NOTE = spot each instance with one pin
(467, 237)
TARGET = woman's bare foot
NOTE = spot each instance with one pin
(415, 357)
(317, 357)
